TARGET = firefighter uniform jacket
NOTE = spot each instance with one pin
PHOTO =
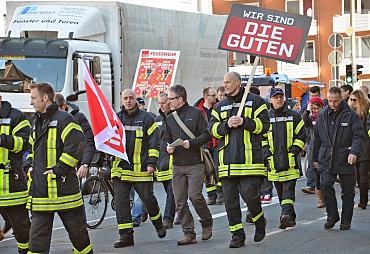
(57, 143)
(240, 149)
(142, 146)
(164, 167)
(283, 142)
(14, 133)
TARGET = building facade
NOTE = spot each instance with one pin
(327, 17)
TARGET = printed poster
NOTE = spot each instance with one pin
(155, 72)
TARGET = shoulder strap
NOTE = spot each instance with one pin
(182, 125)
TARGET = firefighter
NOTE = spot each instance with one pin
(282, 144)
(57, 144)
(241, 167)
(15, 131)
(142, 147)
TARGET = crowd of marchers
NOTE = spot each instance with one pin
(252, 152)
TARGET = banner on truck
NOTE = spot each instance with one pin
(155, 72)
(267, 33)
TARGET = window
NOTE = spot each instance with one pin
(303, 7)
(361, 6)
(244, 59)
(308, 52)
(365, 46)
(253, 4)
(93, 63)
(347, 47)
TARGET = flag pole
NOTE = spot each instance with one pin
(246, 91)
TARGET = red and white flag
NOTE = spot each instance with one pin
(109, 133)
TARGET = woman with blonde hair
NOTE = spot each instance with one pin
(359, 102)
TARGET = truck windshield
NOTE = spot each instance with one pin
(17, 73)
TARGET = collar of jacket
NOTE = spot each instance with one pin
(183, 108)
(236, 98)
(279, 111)
(6, 107)
(131, 114)
(164, 117)
(343, 107)
(74, 107)
(50, 110)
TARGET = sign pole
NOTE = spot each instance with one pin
(246, 91)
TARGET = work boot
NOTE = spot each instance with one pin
(248, 218)
(284, 222)
(308, 190)
(211, 201)
(236, 243)
(177, 222)
(161, 231)
(1, 235)
(260, 232)
(168, 224)
(144, 217)
(135, 223)
(321, 199)
(220, 199)
(292, 223)
(186, 240)
(207, 232)
(124, 241)
(330, 222)
(345, 225)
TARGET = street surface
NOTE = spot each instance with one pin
(308, 236)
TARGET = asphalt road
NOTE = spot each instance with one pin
(308, 236)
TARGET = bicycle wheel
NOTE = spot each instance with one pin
(95, 195)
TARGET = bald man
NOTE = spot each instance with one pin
(142, 147)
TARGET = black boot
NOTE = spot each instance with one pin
(7, 225)
(345, 225)
(284, 222)
(124, 241)
(236, 243)
(161, 230)
(363, 197)
(330, 222)
(260, 232)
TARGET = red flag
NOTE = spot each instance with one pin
(109, 133)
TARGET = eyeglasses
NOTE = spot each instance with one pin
(212, 95)
(354, 100)
(170, 99)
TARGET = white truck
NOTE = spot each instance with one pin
(45, 42)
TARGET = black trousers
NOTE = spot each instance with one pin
(122, 201)
(347, 183)
(18, 216)
(74, 223)
(317, 178)
(247, 187)
(363, 170)
(286, 194)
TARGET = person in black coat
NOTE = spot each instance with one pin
(338, 142)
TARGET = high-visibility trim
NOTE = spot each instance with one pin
(299, 143)
(289, 131)
(164, 175)
(259, 110)
(30, 140)
(4, 153)
(265, 143)
(254, 219)
(368, 133)
(222, 166)
(21, 125)
(14, 198)
(156, 217)
(23, 246)
(69, 160)
(212, 188)
(299, 127)
(287, 175)
(259, 126)
(270, 139)
(4, 181)
(214, 130)
(153, 152)
(247, 138)
(132, 176)
(52, 186)
(152, 128)
(18, 144)
(125, 225)
(223, 115)
(30, 252)
(216, 115)
(68, 129)
(51, 148)
(60, 203)
(30, 155)
(137, 148)
(236, 227)
(287, 201)
(291, 160)
(219, 183)
(84, 251)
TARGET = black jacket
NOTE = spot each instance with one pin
(310, 127)
(164, 167)
(196, 122)
(142, 146)
(89, 136)
(283, 142)
(348, 135)
(14, 134)
(240, 149)
(57, 143)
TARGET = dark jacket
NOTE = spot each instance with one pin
(240, 152)
(365, 152)
(89, 136)
(308, 135)
(14, 134)
(199, 104)
(348, 135)
(57, 143)
(311, 128)
(142, 146)
(283, 142)
(164, 166)
(196, 122)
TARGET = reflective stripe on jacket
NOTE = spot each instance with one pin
(14, 133)
(283, 142)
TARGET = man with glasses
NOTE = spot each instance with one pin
(206, 104)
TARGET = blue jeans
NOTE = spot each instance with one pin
(170, 209)
(310, 174)
(138, 207)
